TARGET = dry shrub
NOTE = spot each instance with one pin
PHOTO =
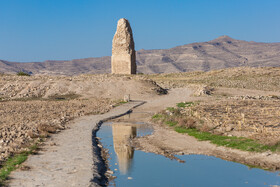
(43, 128)
(177, 112)
(32, 134)
(191, 123)
(273, 142)
(188, 123)
(181, 122)
(162, 112)
(205, 128)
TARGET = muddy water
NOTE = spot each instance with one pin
(136, 168)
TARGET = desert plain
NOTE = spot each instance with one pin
(47, 110)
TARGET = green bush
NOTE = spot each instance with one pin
(181, 105)
(185, 104)
(21, 73)
(170, 109)
(157, 116)
(171, 123)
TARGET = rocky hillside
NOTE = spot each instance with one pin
(222, 52)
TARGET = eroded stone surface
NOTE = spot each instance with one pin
(123, 59)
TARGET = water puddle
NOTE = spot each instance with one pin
(137, 168)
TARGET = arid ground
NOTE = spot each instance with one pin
(242, 102)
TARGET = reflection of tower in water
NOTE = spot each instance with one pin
(122, 133)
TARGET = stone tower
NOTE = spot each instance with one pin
(123, 60)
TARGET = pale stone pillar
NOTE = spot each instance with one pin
(123, 60)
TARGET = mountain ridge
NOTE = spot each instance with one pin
(222, 52)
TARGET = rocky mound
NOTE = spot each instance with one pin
(84, 86)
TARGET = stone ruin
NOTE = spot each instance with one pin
(123, 60)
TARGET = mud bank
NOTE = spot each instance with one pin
(167, 142)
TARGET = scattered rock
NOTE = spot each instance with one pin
(126, 98)
(24, 168)
(258, 97)
(229, 128)
(110, 172)
(21, 121)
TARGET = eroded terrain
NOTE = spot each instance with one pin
(239, 102)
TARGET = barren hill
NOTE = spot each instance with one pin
(222, 52)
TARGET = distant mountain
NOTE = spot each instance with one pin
(222, 52)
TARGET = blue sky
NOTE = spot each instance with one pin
(38, 30)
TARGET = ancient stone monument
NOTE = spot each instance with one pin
(123, 60)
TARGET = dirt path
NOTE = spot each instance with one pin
(67, 159)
